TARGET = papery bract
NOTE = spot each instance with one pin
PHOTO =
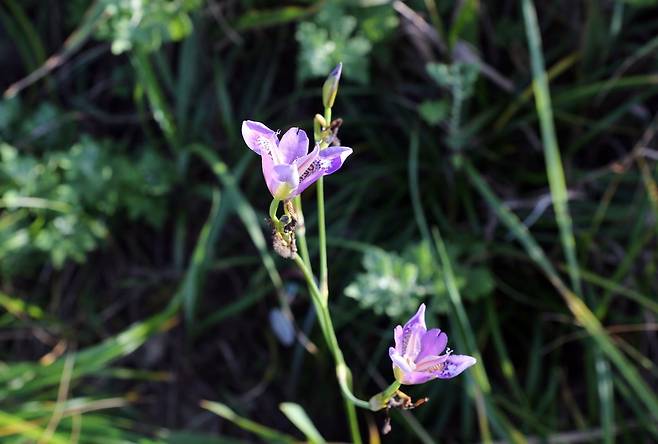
(417, 354)
(288, 167)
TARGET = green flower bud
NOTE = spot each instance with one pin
(330, 87)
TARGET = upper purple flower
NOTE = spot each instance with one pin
(288, 167)
(417, 354)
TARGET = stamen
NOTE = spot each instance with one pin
(435, 368)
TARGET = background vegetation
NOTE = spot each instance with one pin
(504, 173)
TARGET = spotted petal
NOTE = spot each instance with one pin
(309, 169)
(454, 365)
(332, 158)
(259, 137)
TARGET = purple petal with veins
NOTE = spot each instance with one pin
(433, 343)
(293, 145)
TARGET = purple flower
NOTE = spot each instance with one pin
(288, 167)
(417, 354)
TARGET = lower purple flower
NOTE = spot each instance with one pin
(288, 167)
(417, 356)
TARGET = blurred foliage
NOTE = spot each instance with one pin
(145, 24)
(336, 35)
(396, 285)
(58, 203)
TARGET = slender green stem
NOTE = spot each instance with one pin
(322, 230)
(343, 372)
(380, 400)
(274, 206)
(301, 233)
(322, 240)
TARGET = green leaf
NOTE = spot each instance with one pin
(266, 433)
(270, 17)
(434, 111)
(296, 414)
(145, 25)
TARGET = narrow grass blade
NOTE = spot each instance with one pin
(92, 18)
(271, 17)
(13, 425)
(612, 287)
(159, 107)
(19, 308)
(201, 257)
(580, 311)
(243, 208)
(554, 168)
(266, 433)
(296, 414)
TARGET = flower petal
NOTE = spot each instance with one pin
(332, 158)
(287, 174)
(454, 365)
(412, 332)
(397, 334)
(412, 378)
(293, 145)
(258, 137)
(399, 361)
(431, 364)
(309, 169)
(433, 343)
(282, 180)
(417, 319)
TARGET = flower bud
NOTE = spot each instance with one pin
(330, 87)
(319, 125)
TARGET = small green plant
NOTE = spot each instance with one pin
(58, 205)
(395, 284)
(145, 24)
(339, 33)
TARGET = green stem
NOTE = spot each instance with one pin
(343, 372)
(322, 240)
(380, 400)
(274, 207)
(301, 233)
(322, 230)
